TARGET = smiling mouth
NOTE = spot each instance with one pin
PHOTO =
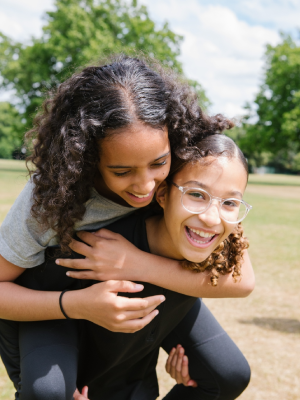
(141, 197)
(199, 236)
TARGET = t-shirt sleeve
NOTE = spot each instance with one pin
(22, 239)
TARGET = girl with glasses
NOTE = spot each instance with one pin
(202, 239)
(102, 148)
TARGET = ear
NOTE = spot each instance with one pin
(161, 194)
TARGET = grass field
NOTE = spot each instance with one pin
(266, 325)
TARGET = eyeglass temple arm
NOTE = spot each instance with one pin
(179, 187)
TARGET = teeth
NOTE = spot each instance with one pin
(202, 234)
(140, 196)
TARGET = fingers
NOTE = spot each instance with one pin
(106, 234)
(169, 360)
(85, 391)
(83, 396)
(83, 275)
(79, 263)
(81, 248)
(133, 326)
(124, 286)
(141, 304)
(131, 315)
(89, 238)
(177, 367)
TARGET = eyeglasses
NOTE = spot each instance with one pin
(197, 201)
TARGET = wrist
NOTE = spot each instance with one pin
(140, 264)
(72, 303)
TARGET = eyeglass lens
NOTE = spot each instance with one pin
(197, 201)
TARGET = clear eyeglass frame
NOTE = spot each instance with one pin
(184, 189)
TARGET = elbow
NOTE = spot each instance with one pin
(247, 286)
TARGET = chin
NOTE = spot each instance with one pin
(196, 258)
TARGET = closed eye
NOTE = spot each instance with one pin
(159, 164)
(121, 173)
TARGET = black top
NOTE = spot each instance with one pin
(116, 366)
(119, 366)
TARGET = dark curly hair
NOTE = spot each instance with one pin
(88, 107)
(228, 256)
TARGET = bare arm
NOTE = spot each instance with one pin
(170, 275)
(21, 304)
(99, 303)
(111, 256)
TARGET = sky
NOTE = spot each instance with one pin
(224, 40)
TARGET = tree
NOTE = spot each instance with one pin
(76, 33)
(10, 123)
(277, 111)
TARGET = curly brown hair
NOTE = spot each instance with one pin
(228, 256)
(88, 107)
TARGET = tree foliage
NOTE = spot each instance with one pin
(79, 32)
(10, 123)
(276, 134)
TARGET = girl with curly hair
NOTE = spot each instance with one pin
(101, 148)
(200, 226)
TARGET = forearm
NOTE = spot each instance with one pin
(21, 304)
(170, 275)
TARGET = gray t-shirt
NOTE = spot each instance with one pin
(23, 240)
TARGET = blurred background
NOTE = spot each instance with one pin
(243, 58)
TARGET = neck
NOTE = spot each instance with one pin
(159, 240)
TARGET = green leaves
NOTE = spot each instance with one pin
(10, 123)
(277, 130)
(77, 33)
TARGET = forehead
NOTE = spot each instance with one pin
(219, 175)
(138, 143)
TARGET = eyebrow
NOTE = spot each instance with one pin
(132, 166)
(202, 185)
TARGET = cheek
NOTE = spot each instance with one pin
(161, 173)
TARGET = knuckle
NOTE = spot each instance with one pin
(117, 306)
(120, 317)
(143, 305)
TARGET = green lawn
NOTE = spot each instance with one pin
(266, 325)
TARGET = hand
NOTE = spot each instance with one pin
(108, 256)
(177, 366)
(82, 396)
(101, 305)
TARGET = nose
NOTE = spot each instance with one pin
(211, 217)
(144, 183)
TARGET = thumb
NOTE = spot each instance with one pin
(106, 234)
(85, 391)
(125, 286)
(78, 396)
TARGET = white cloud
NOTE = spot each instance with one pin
(279, 14)
(221, 51)
(21, 19)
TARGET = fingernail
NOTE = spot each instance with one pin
(57, 262)
(138, 286)
(68, 273)
(156, 312)
(162, 299)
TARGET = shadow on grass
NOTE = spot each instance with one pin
(275, 324)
